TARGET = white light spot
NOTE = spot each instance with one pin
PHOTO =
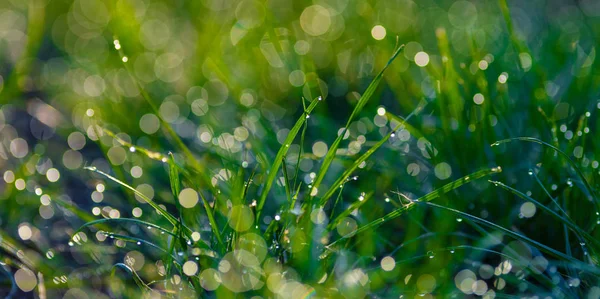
(190, 268)
(52, 174)
(378, 32)
(422, 59)
(188, 198)
(478, 99)
(503, 78)
(388, 263)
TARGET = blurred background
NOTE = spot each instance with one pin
(229, 78)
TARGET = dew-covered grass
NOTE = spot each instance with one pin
(324, 149)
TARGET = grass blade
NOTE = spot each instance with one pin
(348, 172)
(281, 153)
(356, 205)
(426, 198)
(576, 229)
(592, 196)
(160, 210)
(357, 109)
(509, 232)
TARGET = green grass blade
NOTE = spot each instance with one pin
(509, 232)
(355, 205)
(280, 154)
(357, 109)
(348, 172)
(576, 229)
(160, 210)
(428, 197)
(129, 220)
(174, 179)
(592, 196)
(211, 219)
(140, 241)
(136, 278)
(201, 170)
(286, 178)
(301, 152)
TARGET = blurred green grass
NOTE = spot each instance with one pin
(117, 85)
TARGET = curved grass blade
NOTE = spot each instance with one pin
(576, 229)
(211, 219)
(175, 189)
(348, 172)
(133, 220)
(509, 232)
(281, 153)
(573, 164)
(357, 109)
(136, 221)
(150, 154)
(178, 142)
(138, 280)
(356, 205)
(140, 242)
(160, 210)
(428, 197)
(7, 243)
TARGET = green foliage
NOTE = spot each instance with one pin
(281, 149)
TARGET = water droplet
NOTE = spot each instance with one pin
(530, 172)
(430, 254)
(452, 251)
(308, 116)
(361, 197)
(139, 243)
(459, 220)
(569, 183)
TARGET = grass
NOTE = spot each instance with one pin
(460, 163)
